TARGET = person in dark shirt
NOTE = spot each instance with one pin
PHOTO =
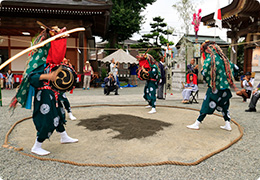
(192, 68)
(133, 74)
(110, 84)
(162, 79)
(254, 99)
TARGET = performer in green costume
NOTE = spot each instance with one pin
(218, 72)
(149, 71)
(63, 98)
(150, 88)
(48, 112)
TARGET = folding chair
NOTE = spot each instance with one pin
(193, 98)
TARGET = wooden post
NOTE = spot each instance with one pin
(85, 49)
(234, 54)
(81, 48)
(9, 51)
(248, 53)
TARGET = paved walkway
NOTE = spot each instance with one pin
(241, 161)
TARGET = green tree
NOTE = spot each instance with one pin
(155, 39)
(159, 29)
(126, 19)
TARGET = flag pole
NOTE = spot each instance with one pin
(215, 30)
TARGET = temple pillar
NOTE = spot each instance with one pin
(82, 52)
(248, 52)
(233, 52)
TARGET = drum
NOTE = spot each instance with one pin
(142, 75)
(66, 79)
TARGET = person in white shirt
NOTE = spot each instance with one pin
(114, 70)
(248, 85)
(254, 99)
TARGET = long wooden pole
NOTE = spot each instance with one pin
(40, 45)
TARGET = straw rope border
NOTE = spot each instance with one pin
(6, 144)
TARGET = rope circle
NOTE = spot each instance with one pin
(6, 144)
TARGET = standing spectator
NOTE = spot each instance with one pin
(9, 79)
(112, 66)
(1, 81)
(113, 69)
(191, 68)
(133, 74)
(254, 99)
(116, 75)
(88, 71)
(247, 84)
(163, 78)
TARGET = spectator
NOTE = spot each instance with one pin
(113, 66)
(254, 99)
(133, 74)
(88, 71)
(188, 88)
(113, 69)
(247, 84)
(116, 75)
(9, 79)
(1, 81)
(110, 84)
(191, 68)
(162, 80)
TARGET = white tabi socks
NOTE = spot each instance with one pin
(196, 125)
(148, 106)
(227, 126)
(66, 139)
(152, 111)
(71, 116)
(37, 149)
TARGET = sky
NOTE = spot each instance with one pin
(164, 9)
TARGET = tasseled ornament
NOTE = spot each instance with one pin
(13, 104)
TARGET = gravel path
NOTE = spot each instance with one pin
(241, 161)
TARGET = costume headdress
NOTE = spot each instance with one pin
(145, 61)
(212, 49)
(52, 53)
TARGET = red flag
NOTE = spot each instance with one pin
(217, 16)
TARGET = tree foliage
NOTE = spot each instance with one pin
(156, 38)
(126, 19)
(159, 29)
(185, 9)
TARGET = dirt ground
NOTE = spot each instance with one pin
(113, 135)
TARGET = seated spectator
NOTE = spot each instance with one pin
(9, 79)
(189, 87)
(110, 84)
(254, 99)
(247, 84)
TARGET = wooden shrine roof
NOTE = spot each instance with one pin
(239, 15)
(21, 15)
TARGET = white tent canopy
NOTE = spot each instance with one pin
(121, 56)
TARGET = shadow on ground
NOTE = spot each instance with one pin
(128, 126)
